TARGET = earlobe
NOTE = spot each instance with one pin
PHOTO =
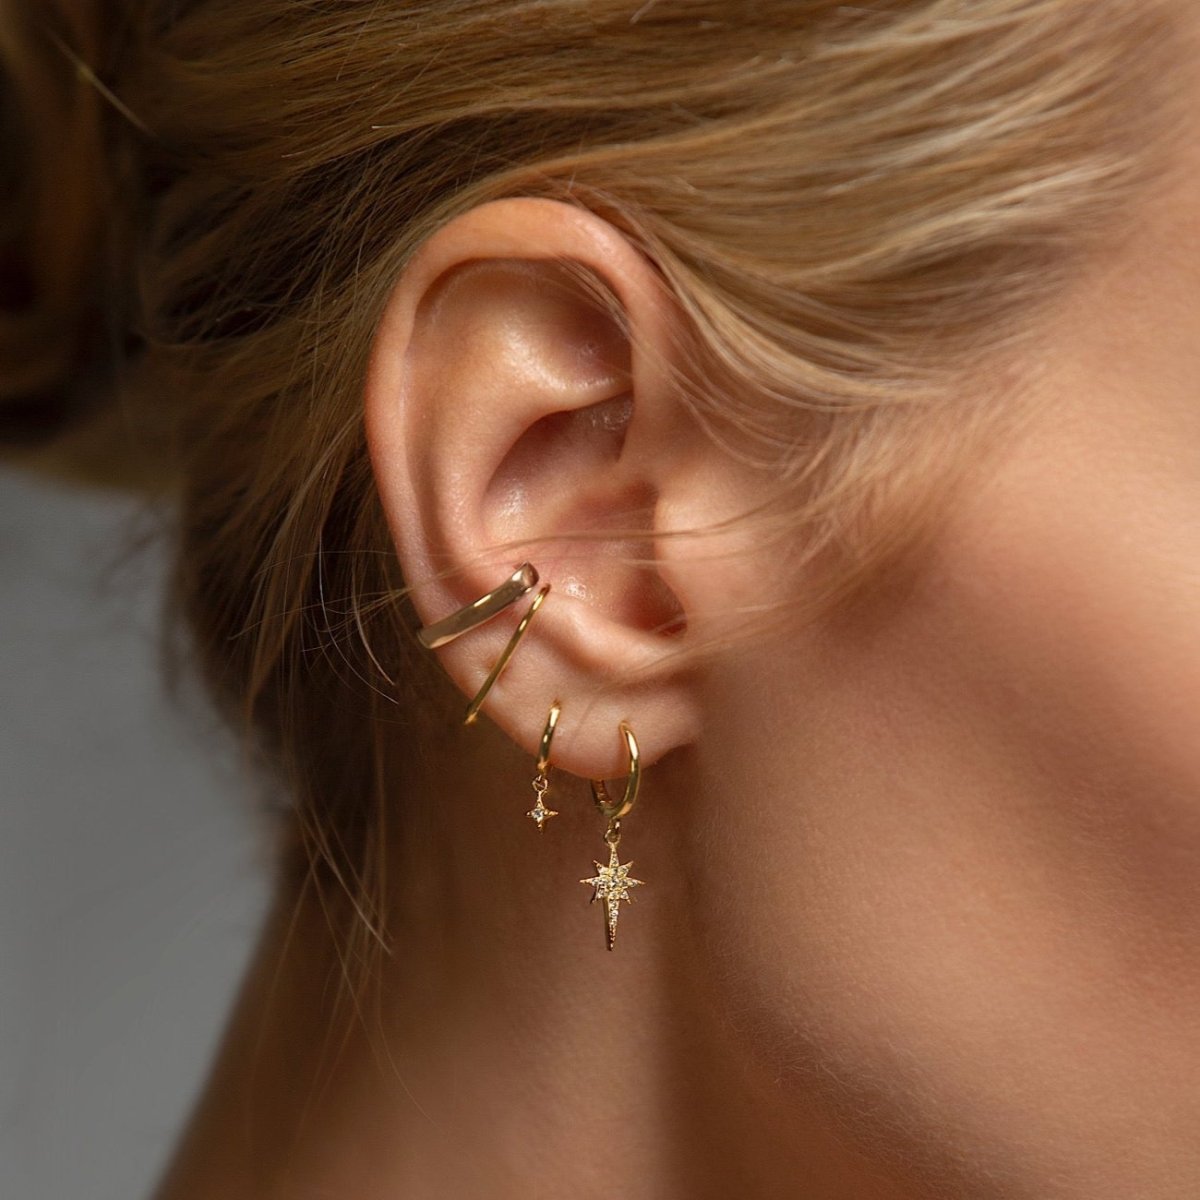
(519, 406)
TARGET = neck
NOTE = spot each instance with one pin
(500, 1050)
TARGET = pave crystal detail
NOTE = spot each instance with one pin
(611, 884)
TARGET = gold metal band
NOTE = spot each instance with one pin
(522, 581)
(611, 809)
(507, 653)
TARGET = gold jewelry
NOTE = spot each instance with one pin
(507, 653)
(612, 883)
(522, 581)
(541, 785)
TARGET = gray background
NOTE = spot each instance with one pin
(132, 859)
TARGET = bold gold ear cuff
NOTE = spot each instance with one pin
(612, 883)
(520, 583)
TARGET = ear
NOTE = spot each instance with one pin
(508, 408)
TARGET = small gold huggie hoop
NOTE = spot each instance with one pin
(611, 883)
(521, 582)
(541, 784)
(507, 653)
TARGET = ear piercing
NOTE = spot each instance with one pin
(505, 654)
(612, 883)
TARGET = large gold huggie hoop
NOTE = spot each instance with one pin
(541, 784)
(520, 583)
(505, 654)
(612, 883)
(615, 810)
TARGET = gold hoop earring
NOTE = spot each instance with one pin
(541, 784)
(612, 883)
(522, 581)
(505, 654)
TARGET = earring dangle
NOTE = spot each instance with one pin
(612, 883)
(541, 784)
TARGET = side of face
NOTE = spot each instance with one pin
(937, 855)
(960, 878)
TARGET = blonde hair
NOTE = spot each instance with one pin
(850, 205)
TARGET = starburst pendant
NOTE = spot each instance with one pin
(611, 884)
(539, 812)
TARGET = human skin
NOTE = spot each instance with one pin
(923, 876)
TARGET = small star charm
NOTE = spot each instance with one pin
(539, 812)
(611, 884)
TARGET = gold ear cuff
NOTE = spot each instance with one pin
(505, 654)
(522, 581)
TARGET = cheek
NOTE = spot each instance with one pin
(1072, 629)
(961, 839)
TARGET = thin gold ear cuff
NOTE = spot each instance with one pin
(612, 883)
(541, 784)
(522, 581)
(507, 653)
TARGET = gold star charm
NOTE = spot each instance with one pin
(539, 812)
(611, 884)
